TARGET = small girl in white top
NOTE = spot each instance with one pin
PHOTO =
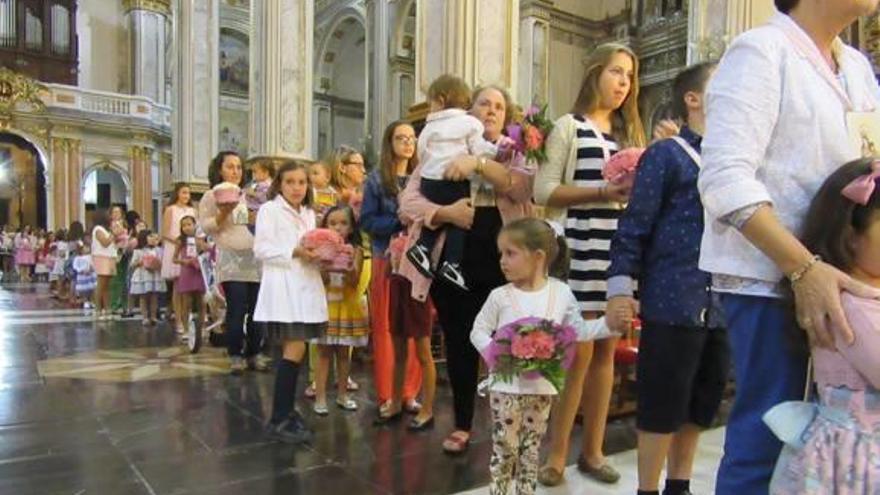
(450, 132)
(104, 259)
(146, 277)
(291, 300)
(531, 249)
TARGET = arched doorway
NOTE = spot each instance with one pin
(104, 186)
(23, 198)
(341, 86)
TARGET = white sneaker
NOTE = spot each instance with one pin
(419, 256)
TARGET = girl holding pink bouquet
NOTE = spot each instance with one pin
(532, 251)
(348, 325)
(146, 276)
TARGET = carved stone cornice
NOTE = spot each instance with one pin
(159, 6)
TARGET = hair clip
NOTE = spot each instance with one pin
(861, 189)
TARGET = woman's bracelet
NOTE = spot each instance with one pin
(798, 274)
(481, 164)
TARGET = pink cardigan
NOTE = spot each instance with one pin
(417, 212)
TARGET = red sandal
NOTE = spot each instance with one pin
(457, 442)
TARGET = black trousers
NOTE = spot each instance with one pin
(457, 310)
(445, 192)
(241, 299)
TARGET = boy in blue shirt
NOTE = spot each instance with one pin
(683, 352)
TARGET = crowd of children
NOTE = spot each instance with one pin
(653, 244)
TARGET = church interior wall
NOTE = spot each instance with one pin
(103, 46)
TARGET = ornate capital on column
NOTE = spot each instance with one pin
(159, 6)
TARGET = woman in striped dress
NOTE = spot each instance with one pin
(604, 118)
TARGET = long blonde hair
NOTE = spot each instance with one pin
(626, 124)
(336, 161)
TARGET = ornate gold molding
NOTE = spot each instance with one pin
(16, 88)
(159, 6)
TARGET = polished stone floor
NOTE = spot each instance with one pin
(113, 408)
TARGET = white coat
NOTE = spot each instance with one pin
(290, 291)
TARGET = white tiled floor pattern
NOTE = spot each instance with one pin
(702, 483)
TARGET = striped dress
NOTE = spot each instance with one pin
(589, 228)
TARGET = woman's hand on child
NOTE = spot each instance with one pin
(460, 214)
(617, 193)
(620, 313)
(461, 168)
(665, 129)
(817, 302)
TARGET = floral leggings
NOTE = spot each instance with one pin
(518, 425)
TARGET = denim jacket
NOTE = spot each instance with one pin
(658, 240)
(379, 214)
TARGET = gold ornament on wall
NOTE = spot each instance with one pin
(16, 88)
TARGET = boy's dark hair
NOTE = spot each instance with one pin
(290, 165)
(452, 91)
(692, 79)
(833, 237)
(786, 6)
(355, 237)
(142, 238)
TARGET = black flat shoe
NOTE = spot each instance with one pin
(384, 420)
(415, 425)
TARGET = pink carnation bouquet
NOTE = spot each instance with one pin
(621, 168)
(531, 348)
(333, 253)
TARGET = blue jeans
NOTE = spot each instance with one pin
(770, 367)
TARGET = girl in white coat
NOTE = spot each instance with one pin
(291, 301)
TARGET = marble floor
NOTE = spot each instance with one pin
(113, 408)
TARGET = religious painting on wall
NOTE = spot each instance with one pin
(234, 131)
(234, 60)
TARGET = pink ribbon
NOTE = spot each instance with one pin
(860, 190)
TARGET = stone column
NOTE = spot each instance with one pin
(140, 167)
(196, 90)
(74, 181)
(60, 191)
(713, 24)
(476, 40)
(534, 52)
(282, 33)
(379, 112)
(146, 21)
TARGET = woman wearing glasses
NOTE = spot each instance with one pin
(501, 196)
(401, 325)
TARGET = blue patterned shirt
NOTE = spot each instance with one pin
(658, 240)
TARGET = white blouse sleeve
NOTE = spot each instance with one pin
(586, 330)
(742, 109)
(486, 323)
(268, 248)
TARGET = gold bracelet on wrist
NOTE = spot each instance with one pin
(795, 276)
(481, 163)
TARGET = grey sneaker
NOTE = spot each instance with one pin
(237, 365)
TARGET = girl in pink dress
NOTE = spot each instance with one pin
(179, 207)
(190, 285)
(25, 253)
(833, 445)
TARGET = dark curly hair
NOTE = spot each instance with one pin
(786, 6)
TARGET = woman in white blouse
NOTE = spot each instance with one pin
(776, 129)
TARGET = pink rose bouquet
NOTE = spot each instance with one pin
(528, 137)
(621, 168)
(343, 260)
(325, 242)
(531, 348)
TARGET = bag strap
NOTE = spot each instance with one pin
(686, 146)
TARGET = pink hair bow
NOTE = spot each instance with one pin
(861, 188)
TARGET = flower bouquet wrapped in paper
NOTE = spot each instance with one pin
(532, 348)
(151, 262)
(621, 168)
(343, 260)
(524, 147)
(226, 193)
(325, 242)
(396, 250)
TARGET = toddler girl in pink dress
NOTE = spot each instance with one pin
(833, 445)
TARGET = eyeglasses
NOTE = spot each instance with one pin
(356, 164)
(405, 139)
